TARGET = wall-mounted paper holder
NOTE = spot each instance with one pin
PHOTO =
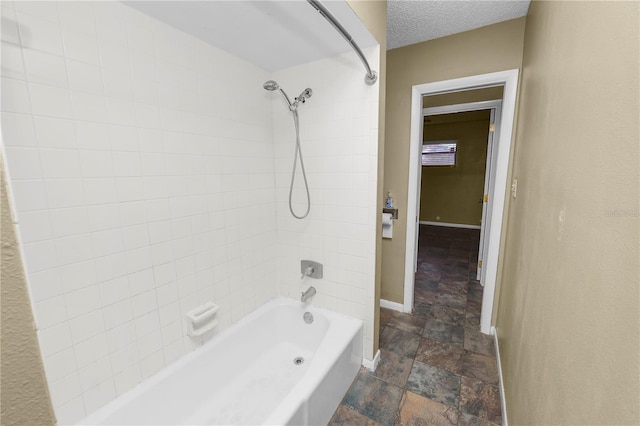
(394, 212)
(202, 319)
(387, 224)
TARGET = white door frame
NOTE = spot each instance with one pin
(495, 106)
(508, 79)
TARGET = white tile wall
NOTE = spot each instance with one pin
(142, 177)
(150, 173)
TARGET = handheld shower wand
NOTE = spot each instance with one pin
(272, 86)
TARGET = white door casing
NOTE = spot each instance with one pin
(498, 187)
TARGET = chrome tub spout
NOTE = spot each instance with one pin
(307, 294)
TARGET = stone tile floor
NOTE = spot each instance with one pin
(436, 367)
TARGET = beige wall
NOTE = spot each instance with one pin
(493, 48)
(374, 15)
(24, 396)
(454, 194)
(464, 96)
(568, 318)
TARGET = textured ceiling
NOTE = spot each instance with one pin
(272, 34)
(414, 21)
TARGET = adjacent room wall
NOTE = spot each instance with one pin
(453, 194)
(568, 316)
(25, 396)
(493, 48)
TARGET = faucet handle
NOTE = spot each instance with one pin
(307, 272)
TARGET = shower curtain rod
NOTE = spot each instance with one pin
(371, 76)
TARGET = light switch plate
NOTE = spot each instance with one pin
(514, 188)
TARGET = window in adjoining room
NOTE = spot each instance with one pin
(439, 153)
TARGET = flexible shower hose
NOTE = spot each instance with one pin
(298, 153)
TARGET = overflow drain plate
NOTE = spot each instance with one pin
(298, 360)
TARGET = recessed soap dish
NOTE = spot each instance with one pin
(202, 319)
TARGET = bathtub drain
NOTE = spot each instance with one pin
(308, 317)
(298, 360)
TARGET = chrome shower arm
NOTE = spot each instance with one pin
(371, 76)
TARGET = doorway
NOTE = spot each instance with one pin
(497, 184)
(455, 188)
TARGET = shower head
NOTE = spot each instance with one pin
(271, 85)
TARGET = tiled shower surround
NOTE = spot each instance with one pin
(149, 172)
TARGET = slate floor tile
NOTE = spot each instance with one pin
(425, 296)
(456, 268)
(442, 355)
(427, 265)
(427, 284)
(469, 420)
(480, 367)
(374, 398)
(448, 314)
(449, 299)
(453, 286)
(416, 410)
(433, 275)
(480, 399)
(434, 383)
(393, 368)
(345, 416)
(421, 309)
(474, 306)
(399, 341)
(475, 341)
(474, 292)
(472, 320)
(406, 322)
(442, 332)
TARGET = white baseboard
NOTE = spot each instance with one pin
(371, 365)
(450, 225)
(391, 305)
(503, 401)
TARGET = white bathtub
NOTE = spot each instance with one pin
(246, 375)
